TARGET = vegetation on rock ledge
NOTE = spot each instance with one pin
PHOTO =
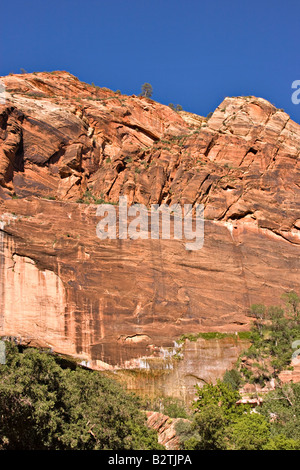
(220, 420)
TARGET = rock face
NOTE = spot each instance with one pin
(66, 146)
(292, 375)
(177, 370)
(165, 427)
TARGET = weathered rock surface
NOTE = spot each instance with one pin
(293, 374)
(177, 370)
(166, 429)
(114, 302)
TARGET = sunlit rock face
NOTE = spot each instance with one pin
(32, 301)
(177, 370)
(66, 146)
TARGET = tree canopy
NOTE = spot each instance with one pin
(45, 406)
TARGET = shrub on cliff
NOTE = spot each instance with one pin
(274, 330)
(45, 406)
(233, 378)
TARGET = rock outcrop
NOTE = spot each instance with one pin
(165, 428)
(293, 373)
(66, 146)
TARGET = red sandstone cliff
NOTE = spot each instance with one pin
(113, 302)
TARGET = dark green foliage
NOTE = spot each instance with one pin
(273, 332)
(221, 422)
(187, 434)
(221, 395)
(170, 406)
(233, 378)
(175, 409)
(210, 424)
(214, 411)
(44, 406)
(282, 406)
(251, 431)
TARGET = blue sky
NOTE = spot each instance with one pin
(193, 53)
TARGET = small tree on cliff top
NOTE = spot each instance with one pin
(147, 90)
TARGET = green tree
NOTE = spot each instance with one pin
(280, 338)
(258, 311)
(170, 406)
(220, 394)
(250, 431)
(282, 407)
(45, 406)
(210, 425)
(147, 90)
(292, 301)
(233, 378)
(177, 108)
(187, 433)
(272, 335)
(215, 409)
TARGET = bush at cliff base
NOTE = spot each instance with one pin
(46, 406)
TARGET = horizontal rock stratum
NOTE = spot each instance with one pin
(66, 145)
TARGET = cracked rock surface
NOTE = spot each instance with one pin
(66, 145)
